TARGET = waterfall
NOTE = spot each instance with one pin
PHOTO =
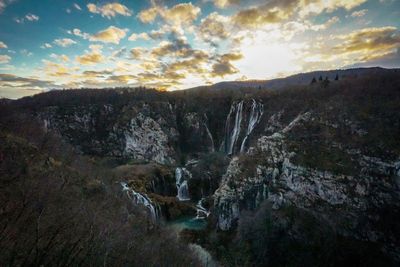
(257, 110)
(182, 184)
(202, 212)
(232, 136)
(209, 134)
(142, 199)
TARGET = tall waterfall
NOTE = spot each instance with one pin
(142, 199)
(201, 211)
(257, 110)
(231, 137)
(182, 183)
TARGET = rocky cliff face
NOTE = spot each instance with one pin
(332, 152)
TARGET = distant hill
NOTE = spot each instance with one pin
(297, 79)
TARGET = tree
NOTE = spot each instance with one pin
(313, 80)
(325, 82)
(337, 77)
(320, 78)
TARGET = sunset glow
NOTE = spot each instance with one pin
(180, 44)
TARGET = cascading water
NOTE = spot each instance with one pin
(232, 136)
(202, 212)
(182, 184)
(209, 134)
(257, 110)
(142, 199)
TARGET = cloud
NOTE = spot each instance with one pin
(359, 46)
(63, 57)
(225, 3)
(136, 36)
(177, 47)
(57, 70)
(4, 59)
(359, 13)
(46, 45)
(179, 14)
(369, 41)
(148, 15)
(26, 53)
(137, 52)
(77, 6)
(110, 35)
(122, 79)
(96, 74)
(64, 42)
(193, 65)
(212, 28)
(93, 57)
(325, 25)
(11, 80)
(3, 45)
(223, 66)
(28, 17)
(4, 4)
(319, 6)
(79, 33)
(90, 58)
(32, 17)
(276, 11)
(110, 10)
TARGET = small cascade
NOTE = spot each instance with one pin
(209, 134)
(202, 212)
(257, 110)
(182, 183)
(142, 199)
(231, 137)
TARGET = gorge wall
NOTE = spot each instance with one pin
(329, 152)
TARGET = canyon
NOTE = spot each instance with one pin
(322, 157)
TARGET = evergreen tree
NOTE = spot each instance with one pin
(325, 82)
(313, 80)
(337, 77)
(320, 78)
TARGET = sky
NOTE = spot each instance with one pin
(172, 45)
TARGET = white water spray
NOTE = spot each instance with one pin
(202, 212)
(232, 136)
(182, 183)
(142, 199)
(257, 110)
(209, 134)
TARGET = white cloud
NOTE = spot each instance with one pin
(64, 42)
(135, 36)
(77, 6)
(32, 17)
(46, 45)
(28, 17)
(110, 35)
(26, 53)
(4, 59)
(3, 45)
(110, 10)
(78, 32)
(4, 4)
(359, 13)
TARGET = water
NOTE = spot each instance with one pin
(142, 199)
(257, 110)
(201, 211)
(232, 136)
(181, 176)
(188, 222)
